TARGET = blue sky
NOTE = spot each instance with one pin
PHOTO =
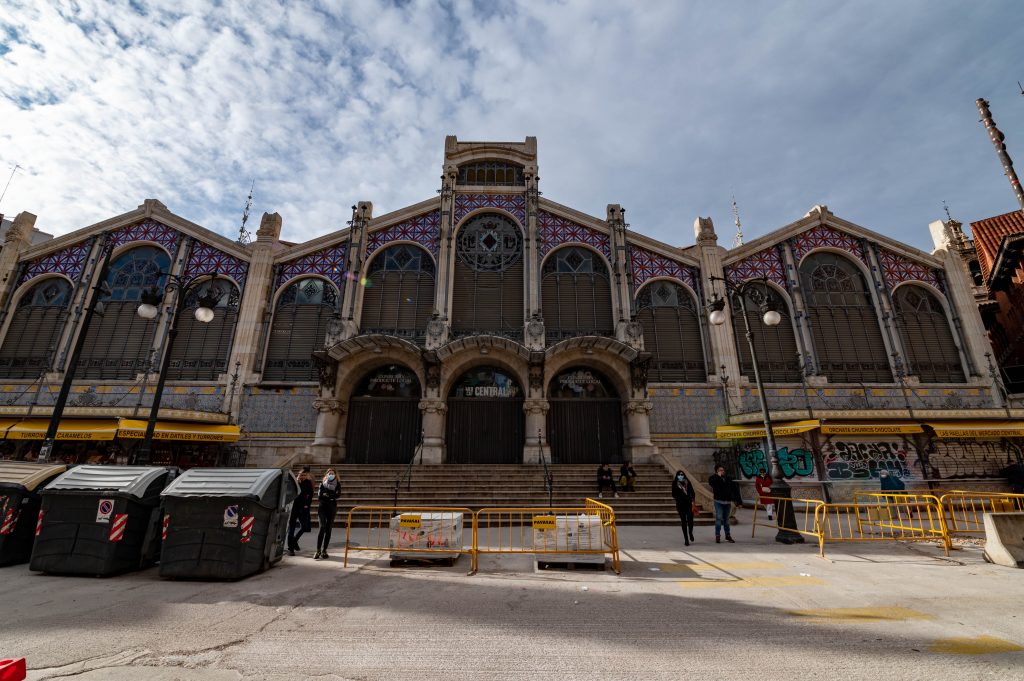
(669, 108)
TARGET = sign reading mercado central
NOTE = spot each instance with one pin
(487, 383)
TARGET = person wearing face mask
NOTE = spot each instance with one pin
(330, 490)
(299, 523)
(682, 492)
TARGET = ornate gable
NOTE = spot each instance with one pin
(204, 259)
(823, 236)
(68, 261)
(647, 264)
(513, 203)
(327, 262)
(147, 230)
(766, 263)
(898, 269)
(423, 229)
(554, 231)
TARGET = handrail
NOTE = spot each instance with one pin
(407, 473)
(549, 479)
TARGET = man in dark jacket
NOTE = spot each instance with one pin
(299, 522)
(605, 479)
(724, 490)
(682, 492)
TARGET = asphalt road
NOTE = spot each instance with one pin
(750, 610)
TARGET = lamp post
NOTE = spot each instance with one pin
(148, 309)
(770, 317)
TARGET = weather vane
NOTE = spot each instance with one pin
(243, 234)
(738, 240)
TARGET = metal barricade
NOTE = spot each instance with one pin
(410, 530)
(883, 517)
(568, 530)
(804, 511)
(965, 511)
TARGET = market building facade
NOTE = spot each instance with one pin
(492, 325)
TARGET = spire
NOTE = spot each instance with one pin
(243, 234)
(738, 240)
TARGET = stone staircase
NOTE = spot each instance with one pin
(478, 486)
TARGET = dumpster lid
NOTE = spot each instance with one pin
(131, 480)
(28, 475)
(224, 482)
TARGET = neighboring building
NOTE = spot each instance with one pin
(488, 324)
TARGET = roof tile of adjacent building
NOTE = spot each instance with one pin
(989, 233)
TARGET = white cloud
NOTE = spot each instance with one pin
(668, 108)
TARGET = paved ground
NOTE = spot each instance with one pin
(752, 610)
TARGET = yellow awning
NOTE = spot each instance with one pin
(176, 430)
(870, 428)
(750, 432)
(4, 425)
(68, 429)
(977, 429)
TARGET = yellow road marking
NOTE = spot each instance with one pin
(979, 645)
(750, 565)
(884, 614)
(752, 582)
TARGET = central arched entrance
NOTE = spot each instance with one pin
(585, 419)
(486, 422)
(384, 419)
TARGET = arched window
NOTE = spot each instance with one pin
(119, 342)
(576, 295)
(927, 340)
(399, 295)
(847, 339)
(491, 173)
(35, 330)
(487, 296)
(672, 332)
(300, 326)
(775, 345)
(201, 350)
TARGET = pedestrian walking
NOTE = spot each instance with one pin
(763, 486)
(627, 477)
(684, 495)
(890, 483)
(299, 522)
(724, 491)
(330, 490)
(605, 479)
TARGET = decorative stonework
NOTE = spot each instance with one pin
(68, 261)
(204, 259)
(327, 262)
(329, 406)
(536, 406)
(423, 229)
(512, 203)
(898, 269)
(433, 407)
(767, 264)
(648, 265)
(554, 231)
(149, 230)
(638, 407)
(826, 237)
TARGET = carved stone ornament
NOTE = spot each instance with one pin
(536, 406)
(326, 369)
(433, 407)
(435, 329)
(536, 371)
(432, 370)
(634, 330)
(638, 407)
(638, 369)
(326, 406)
(535, 327)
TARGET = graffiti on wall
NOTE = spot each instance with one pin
(971, 458)
(793, 462)
(863, 460)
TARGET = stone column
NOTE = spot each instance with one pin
(622, 291)
(533, 314)
(722, 339)
(327, 446)
(967, 321)
(18, 238)
(437, 329)
(639, 447)
(434, 411)
(362, 213)
(536, 430)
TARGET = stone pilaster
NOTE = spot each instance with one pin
(17, 239)
(536, 410)
(437, 329)
(327, 446)
(362, 213)
(622, 288)
(531, 256)
(721, 337)
(884, 309)
(434, 411)
(967, 324)
(639, 447)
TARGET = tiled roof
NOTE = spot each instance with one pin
(989, 233)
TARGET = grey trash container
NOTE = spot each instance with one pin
(100, 520)
(225, 523)
(20, 484)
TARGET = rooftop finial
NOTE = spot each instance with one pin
(738, 240)
(243, 234)
(945, 207)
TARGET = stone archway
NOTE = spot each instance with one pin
(486, 423)
(584, 421)
(384, 422)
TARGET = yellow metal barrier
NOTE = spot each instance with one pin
(965, 511)
(571, 530)
(410, 529)
(883, 517)
(804, 510)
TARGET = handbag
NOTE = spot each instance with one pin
(695, 509)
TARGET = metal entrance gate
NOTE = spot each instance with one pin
(484, 430)
(382, 429)
(585, 430)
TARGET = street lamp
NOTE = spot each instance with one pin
(770, 317)
(148, 309)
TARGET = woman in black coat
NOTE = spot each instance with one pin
(330, 490)
(683, 493)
